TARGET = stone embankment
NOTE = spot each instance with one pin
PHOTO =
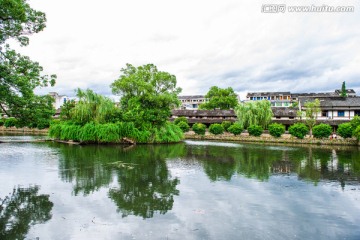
(23, 130)
(266, 138)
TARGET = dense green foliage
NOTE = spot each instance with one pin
(235, 129)
(255, 130)
(345, 130)
(65, 110)
(216, 128)
(276, 129)
(147, 95)
(355, 122)
(93, 107)
(298, 130)
(2, 121)
(220, 98)
(199, 128)
(181, 119)
(356, 133)
(226, 125)
(19, 76)
(114, 132)
(254, 113)
(184, 126)
(10, 122)
(322, 130)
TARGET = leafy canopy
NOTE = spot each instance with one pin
(220, 98)
(147, 95)
(254, 113)
(19, 76)
(93, 107)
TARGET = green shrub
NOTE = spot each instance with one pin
(43, 123)
(345, 130)
(10, 122)
(167, 134)
(70, 132)
(298, 130)
(226, 125)
(199, 128)
(107, 133)
(322, 130)
(2, 122)
(184, 126)
(355, 122)
(255, 130)
(115, 132)
(276, 129)
(181, 119)
(55, 131)
(236, 129)
(356, 133)
(216, 128)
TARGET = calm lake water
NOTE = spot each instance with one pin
(191, 190)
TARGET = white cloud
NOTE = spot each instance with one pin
(204, 43)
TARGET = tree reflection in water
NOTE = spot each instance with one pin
(145, 183)
(140, 182)
(21, 209)
(260, 161)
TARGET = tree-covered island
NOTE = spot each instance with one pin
(147, 97)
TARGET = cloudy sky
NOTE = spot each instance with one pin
(202, 42)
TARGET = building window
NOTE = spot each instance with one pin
(341, 113)
(324, 113)
(64, 100)
(357, 112)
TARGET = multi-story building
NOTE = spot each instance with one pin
(277, 99)
(192, 101)
(59, 99)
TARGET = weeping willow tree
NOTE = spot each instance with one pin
(93, 107)
(254, 113)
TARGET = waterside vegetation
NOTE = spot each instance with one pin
(147, 96)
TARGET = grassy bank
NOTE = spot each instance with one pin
(266, 138)
(120, 132)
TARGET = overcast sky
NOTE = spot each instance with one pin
(202, 42)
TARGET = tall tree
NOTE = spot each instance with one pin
(147, 95)
(312, 109)
(343, 90)
(254, 113)
(19, 76)
(220, 98)
(93, 107)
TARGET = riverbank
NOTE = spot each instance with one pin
(24, 130)
(243, 137)
(267, 138)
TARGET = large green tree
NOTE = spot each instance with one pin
(147, 95)
(254, 113)
(312, 109)
(93, 107)
(223, 98)
(19, 76)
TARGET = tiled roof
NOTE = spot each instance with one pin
(334, 101)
